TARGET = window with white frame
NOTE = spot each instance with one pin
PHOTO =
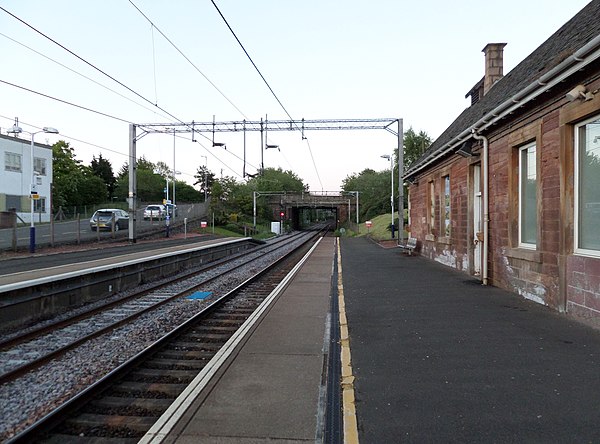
(528, 196)
(39, 165)
(12, 162)
(39, 205)
(446, 226)
(587, 187)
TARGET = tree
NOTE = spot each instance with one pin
(275, 179)
(67, 173)
(92, 189)
(150, 185)
(163, 169)
(414, 145)
(102, 168)
(187, 193)
(221, 201)
(374, 191)
(205, 178)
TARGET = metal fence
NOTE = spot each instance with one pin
(72, 226)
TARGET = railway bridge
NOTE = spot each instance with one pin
(302, 209)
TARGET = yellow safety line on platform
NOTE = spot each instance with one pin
(348, 402)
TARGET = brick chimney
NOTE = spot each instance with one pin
(493, 65)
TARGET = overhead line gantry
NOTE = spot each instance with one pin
(263, 126)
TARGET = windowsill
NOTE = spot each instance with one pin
(524, 254)
(587, 253)
(444, 240)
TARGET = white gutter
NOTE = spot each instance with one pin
(577, 61)
(486, 211)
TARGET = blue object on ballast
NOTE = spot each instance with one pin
(200, 295)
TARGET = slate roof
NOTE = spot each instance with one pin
(573, 35)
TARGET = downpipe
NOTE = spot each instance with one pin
(486, 216)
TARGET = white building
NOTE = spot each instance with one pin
(16, 178)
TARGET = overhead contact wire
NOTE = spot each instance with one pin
(188, 60)
(266, 83)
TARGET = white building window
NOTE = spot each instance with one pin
(587, 187)
(12, 162)
(39, 205)
(527, 196)
(39, 165)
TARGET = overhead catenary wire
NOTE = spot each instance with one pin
(188, 60)
(103, 73)
(266, 83)
(90, 64)
(65, 101)
(153, 110)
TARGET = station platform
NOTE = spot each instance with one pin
(41, 268)
(435, 357)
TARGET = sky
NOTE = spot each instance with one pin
(151, 61)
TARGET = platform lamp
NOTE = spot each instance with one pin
(391, 159)
(17, 130)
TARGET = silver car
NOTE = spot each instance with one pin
(155, 212)
(104, 218)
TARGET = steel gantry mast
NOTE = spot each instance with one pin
(263, 126)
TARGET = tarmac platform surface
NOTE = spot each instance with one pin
(438, 357)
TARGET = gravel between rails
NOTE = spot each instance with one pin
(29, 398)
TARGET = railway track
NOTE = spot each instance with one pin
(22, 353)
(127, 401)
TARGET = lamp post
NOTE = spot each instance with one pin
(33, 193)
(391, 159)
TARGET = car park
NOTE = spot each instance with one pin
(156, 211)
(104, 218)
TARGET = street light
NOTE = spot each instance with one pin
(33, 193)
(391, 159)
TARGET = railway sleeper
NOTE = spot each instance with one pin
(91, 424)
(162, 376)
(148, 390)
(76, 439)
(196, 346)
(229, 323)
(178, 364)
(202, 355)
(235, 310)
(110, 405)
(209, 330)
(232, 316)
(203, 338)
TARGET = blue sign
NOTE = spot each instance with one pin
(199, 295)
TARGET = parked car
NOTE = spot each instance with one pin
(104, 217)
(155, 212)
